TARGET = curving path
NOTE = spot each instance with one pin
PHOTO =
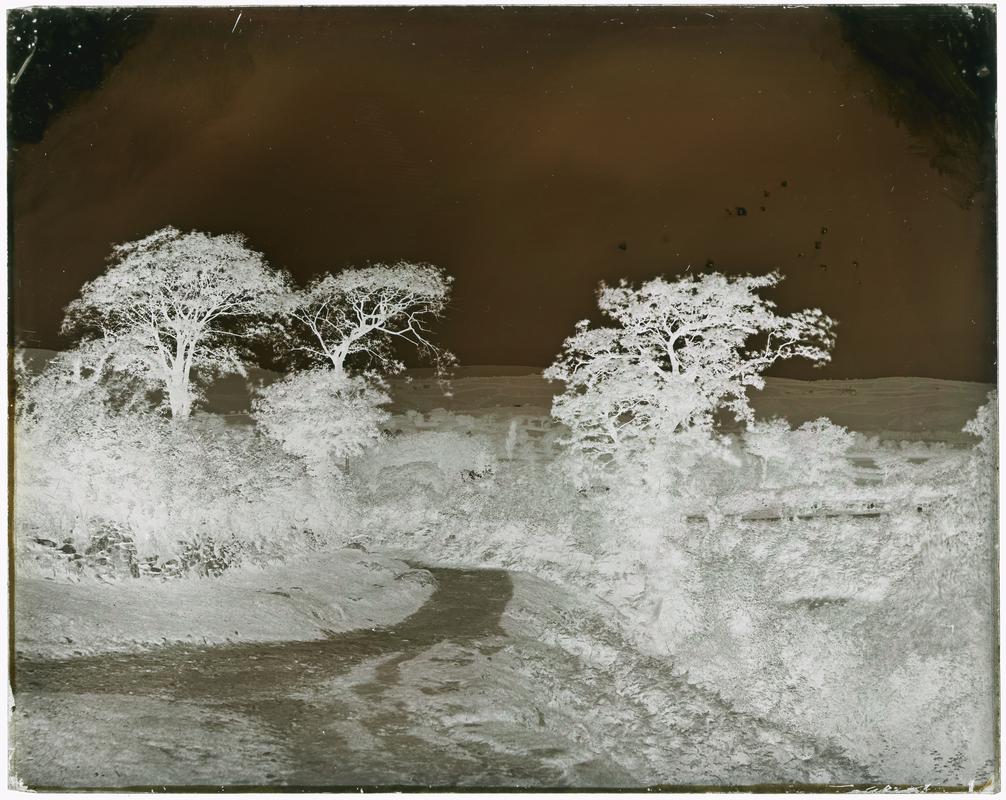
(446, 698)
(319, 713)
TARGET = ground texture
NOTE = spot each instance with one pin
(302, 599)
(466, 692)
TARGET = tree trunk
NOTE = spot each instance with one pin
(181, 406)
(179, 397)
(338, 359)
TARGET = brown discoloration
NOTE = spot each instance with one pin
(514, 147)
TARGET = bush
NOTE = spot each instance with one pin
(197, 487)
(812, 455)
(322, 416)
(210, 557)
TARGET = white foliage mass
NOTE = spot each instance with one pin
(512, 436)
(173, 303)
(363, 312)
(72, 393)
(813, 454)
(974, 533)
(678, 351)
(322, 416)
(985, 425)
(85, 461)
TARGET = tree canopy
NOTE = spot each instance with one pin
(361, 313)
(678, 351)
(175, 302)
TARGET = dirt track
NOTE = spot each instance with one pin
(276, 699)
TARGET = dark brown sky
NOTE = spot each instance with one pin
(518, 149)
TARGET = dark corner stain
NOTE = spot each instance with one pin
(934, 68)
(55, 54)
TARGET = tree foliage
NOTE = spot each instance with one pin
(321, 416)
(677, 352)
(812, 454)
(359, 315)
(173, 303)
(73, 394)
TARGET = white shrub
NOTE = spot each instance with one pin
(512, 433)
(813, 454)
(85, 458)
(322, 416)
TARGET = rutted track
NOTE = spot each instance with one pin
(265, 685)
(448, 697)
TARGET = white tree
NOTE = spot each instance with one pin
(813, 454)
(322, 416)
(173, 303)
(679, 351)
(363, 312)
